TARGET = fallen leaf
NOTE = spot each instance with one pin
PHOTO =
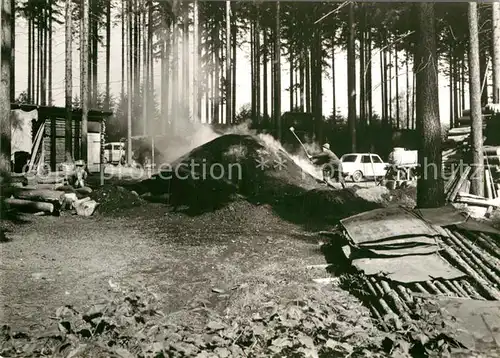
(257, 317)
(222, 352)
(258, 329)
(281, 342)
(74, 352)
(308, 352)
(215, 326)
(330, 343)
(217, 290)
(306, 340)
(124, 353)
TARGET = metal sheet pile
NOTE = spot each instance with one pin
(409, 254)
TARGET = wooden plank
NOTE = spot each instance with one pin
(463, 177)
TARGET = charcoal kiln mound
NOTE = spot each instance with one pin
(230, 166)
(114, 199)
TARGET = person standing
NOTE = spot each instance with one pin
(331, 164)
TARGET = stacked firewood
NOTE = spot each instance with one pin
(41, 199)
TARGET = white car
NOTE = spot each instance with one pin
(358, 166)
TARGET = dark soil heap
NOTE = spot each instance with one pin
(213, 174)
(113, 199)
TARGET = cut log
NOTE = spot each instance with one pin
(492, 159)
(86, 208)
(84, 190)
(30, 206)
(44, 195)
(491, 151)
(487, 184)
(490, 291)
(478, 202)
(50, 180)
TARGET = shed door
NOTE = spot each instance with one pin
(94, 151)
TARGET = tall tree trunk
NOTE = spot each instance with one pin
(389, 86)
(277, 72)
(258, 105)
(234, 32)
(334, 102)
(43, 62)
(196, 59)
(462, 80)
(496, 51)
(185, 60)
(362, 83)
(123, 45)
(128, 34)
(383, 88)
(398, 124)
(301, 80)
(229, 116)
(145, 81)
(318, 108)
(252, 70)
(297, 83)
(217, 105)
(450, 67)
(430, 190)
(477, 180)
(308, 80)
(136, 53)
(108, 54)
(291, 81)
(413, 98)
(84, 78)
(199, 69)
(68, 81)
(13, 51)
(174, 90)
(90, 28)
(95, 53)
(265, 79)
(351, 77)
(5, 63)
(408, 118)
(455, 89)
(30, 60)
(368, 85)
(38, 60)
(50, 53)
(151, 89)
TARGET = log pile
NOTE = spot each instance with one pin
(457, 187)
(33, 199)
(476, 254)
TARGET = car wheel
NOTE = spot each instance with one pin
(357, 176)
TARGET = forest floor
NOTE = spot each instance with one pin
(233, 282)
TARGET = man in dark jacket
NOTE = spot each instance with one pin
(332, 166)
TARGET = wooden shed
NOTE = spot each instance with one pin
(52, 147)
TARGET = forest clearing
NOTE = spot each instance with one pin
(249, 179)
